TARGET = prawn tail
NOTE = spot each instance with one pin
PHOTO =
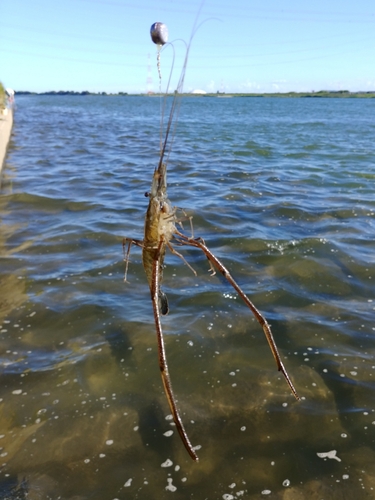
(163, 303)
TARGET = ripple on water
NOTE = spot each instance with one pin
(285, 200)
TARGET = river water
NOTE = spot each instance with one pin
(282, 190)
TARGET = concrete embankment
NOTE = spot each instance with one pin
(6, 124)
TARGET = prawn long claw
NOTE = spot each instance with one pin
(155, 288)
(200, 243)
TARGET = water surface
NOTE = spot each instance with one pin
(282, 190)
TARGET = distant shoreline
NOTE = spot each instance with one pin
(319, 94)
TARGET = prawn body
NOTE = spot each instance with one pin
(159, 230)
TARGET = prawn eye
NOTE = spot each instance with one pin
(147, 194)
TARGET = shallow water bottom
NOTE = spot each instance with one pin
(84, 415)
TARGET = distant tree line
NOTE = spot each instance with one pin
(65, 92)
(320, 93)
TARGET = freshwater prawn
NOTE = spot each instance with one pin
(160, 231)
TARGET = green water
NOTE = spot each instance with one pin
(282, 192)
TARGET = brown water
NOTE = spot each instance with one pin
(282, 191)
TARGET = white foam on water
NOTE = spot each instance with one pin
(329, 454)
(170, 486)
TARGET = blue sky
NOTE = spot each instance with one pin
(244, 46)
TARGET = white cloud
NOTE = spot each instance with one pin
(211, 86)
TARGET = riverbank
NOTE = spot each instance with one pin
(6, 124)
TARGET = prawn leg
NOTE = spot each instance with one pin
(130, 242)
(182, 258)
(200, 243)
(155, 288)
